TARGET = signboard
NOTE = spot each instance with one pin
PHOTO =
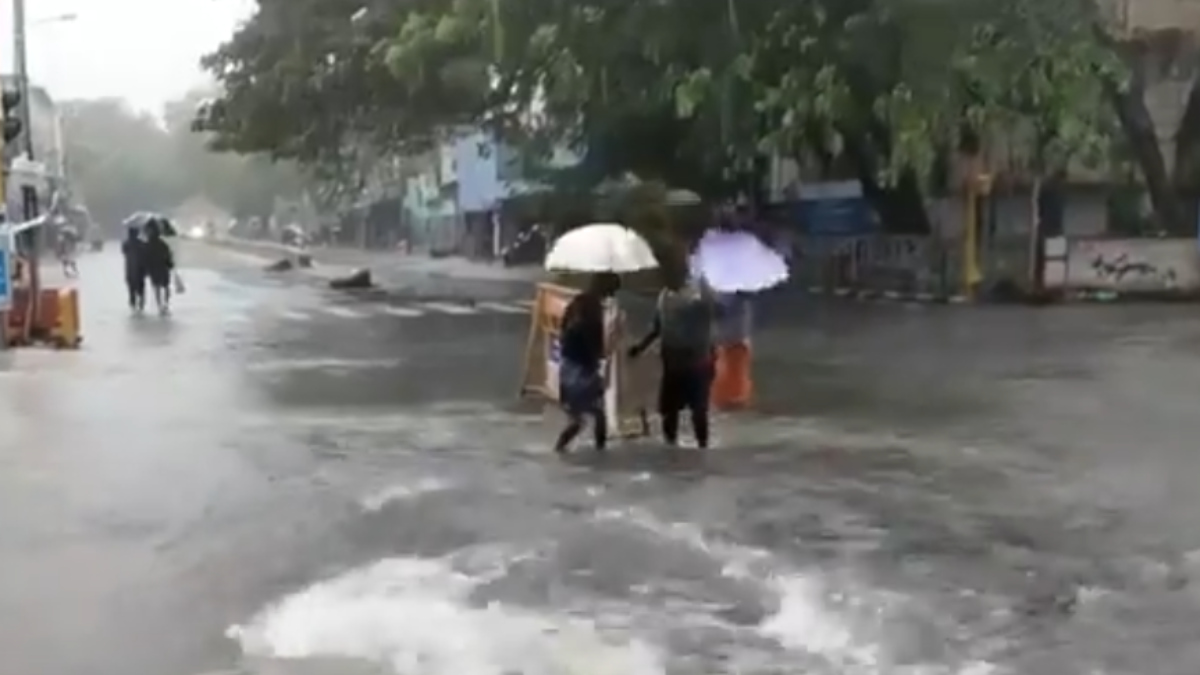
(834, 209)
(5, 275)
(543, 356)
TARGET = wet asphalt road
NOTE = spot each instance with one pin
(279, 479)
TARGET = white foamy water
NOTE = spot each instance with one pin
(403, 492)
(325, 364)
(847, 634)
(414, 616)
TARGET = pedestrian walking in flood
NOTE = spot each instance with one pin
(733, 382)
(134, 251)
(65, 246)
(584, 348)
(683, 327)
(159, 266)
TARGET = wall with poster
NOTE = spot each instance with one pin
(1127, 266)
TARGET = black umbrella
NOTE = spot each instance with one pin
(145, 219)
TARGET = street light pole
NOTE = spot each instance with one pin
(21, 59)
(29, 199)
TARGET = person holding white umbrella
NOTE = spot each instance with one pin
(583, 350)
(605, 250)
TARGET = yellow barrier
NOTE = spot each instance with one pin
(629, 384)
(66, 332)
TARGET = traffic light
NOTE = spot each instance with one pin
(10, 102)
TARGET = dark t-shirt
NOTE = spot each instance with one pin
(159, 259)
(134, 251)
(582, 339)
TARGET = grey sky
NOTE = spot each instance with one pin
(146, 51)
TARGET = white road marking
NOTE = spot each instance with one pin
(345, 312)
(292, 315)
(503, 308)
(527, 304)
(402, 312)
(447, 308)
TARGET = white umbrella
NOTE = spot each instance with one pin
(601, 247)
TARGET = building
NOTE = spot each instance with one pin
(487, 173)
(429, 204)
(1134, 17)
(1168, 28)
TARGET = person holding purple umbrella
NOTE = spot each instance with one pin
(733, 381)
(737, 265)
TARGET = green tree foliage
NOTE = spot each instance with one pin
(690, 93)
(120, 161)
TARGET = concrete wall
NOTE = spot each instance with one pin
(1126, 266)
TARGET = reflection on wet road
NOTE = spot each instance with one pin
(288, 481)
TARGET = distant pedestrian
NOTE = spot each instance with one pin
(134, 251)
(583, 344)
(733, 383)
(66, 248)
(159, 266)
(683, 327)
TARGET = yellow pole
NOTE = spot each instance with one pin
(978, 185)
(971, 241)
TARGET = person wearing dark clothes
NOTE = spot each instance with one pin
(134, 250)
(159, 264)
(683, 325)
(582, 343)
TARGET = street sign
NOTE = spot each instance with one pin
(5, 275)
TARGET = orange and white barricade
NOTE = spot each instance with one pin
(629, 385)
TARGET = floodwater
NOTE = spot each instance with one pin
(263, 484)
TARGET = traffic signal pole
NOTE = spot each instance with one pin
(29, 198)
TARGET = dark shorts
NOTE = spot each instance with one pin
(685, 384)
(160, 278)
(580, 389)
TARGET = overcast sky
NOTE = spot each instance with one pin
(146, 51)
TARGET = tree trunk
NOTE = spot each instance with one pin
(1187, 154)
(1139, 131)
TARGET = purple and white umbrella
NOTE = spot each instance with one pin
(737, 262)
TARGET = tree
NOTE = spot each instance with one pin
(304, 79)
(690, 93)
(245, 185)
(118, 161)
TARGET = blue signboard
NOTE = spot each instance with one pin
(5, 278)
(834, 209)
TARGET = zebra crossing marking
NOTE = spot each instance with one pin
(447, 308)
(345, 312)
(402, 312)
(503, 308)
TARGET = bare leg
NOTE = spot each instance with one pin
(600, 430)
(568, 434)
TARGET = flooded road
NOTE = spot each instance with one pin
(281, 480)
